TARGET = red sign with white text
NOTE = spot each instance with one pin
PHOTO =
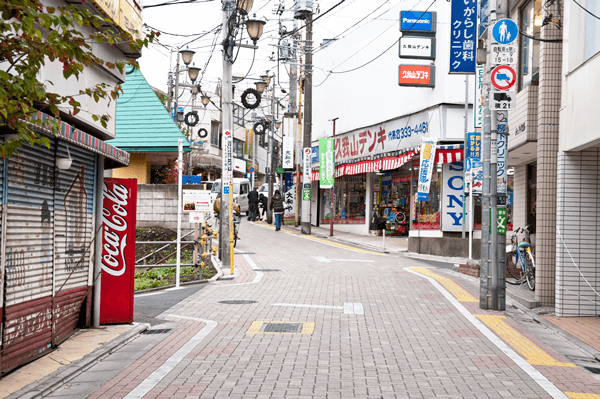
(119, 208)
(417, 75)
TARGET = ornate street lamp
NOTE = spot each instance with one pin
(261, 85)
(193, 72)
(205, 100)
(244, 6)
(187, 56)
(277, 124)
(255, 27)
(266, 78)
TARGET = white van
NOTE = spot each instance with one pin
(241, 189)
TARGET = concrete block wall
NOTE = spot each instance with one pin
(578, 234)
(157, 207)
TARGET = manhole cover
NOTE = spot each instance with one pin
(158, 331)
(281, 327)
(237, 302)
(267, 270)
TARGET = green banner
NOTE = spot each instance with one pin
(326, 162)
(306, 194)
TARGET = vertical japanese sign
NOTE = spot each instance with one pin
(474, 168)
(289, 200)
(306, 175)
(501, 165)
(463, 35)
(227, 166)
(288, 152)
(478, 99)
(426, 168)
(248, 143)
(119, 206)
(326, 162)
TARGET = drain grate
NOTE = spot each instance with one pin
(244, 253)
(237, 302)
(267, 270)
(158, 331)
(593, 370)
(282, 327)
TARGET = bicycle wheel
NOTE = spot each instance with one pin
(235, 238)
(530, 270)
(511, 270)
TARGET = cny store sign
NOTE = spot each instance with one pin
(463, 32)
(417, 75)
(119, 208)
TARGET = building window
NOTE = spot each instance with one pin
(349, 200)
(531, 22)
(215, 137)
(238, 114)
(263, 141)
(592, 29)
(238, 148)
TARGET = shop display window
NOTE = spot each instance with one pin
(392, 204)
(426, 214)
(349, 200)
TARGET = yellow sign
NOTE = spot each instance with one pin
(124, 13)
(248, 143)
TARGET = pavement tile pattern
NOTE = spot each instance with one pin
(407, 340)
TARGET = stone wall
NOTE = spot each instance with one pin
(157, 207)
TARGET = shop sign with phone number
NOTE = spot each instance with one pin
(405, 132)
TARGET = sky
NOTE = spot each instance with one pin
(195, 24)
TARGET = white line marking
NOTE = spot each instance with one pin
(352, 260)
(298, 305)
(154, 293)
(358, 308)
(348, 308)
(154, 378)
(322, 259)
(526, 367)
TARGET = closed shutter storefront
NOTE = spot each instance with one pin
(47, 232)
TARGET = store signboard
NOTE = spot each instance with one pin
(416, 75)
(418, 21)
(502, 148)
(474, 166)
(463, 35)
(426, 168)
(452, 197)
(418, 47)
(196, 201)
(326, 162)
(227, 164)
(478, 114)
(315, 154)
(288, 152)
(248, 142)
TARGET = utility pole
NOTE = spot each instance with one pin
(492, 289)
(294, 111)
(227, 115)
(270, 153)
(332, 191)
(306, 182)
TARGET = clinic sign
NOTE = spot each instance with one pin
(463, 35)
(418, 21)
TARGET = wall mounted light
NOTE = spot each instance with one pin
(64, 163)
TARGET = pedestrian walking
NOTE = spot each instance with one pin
(262, 202)
(253, 204)
(277, 207)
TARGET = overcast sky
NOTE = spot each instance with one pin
(199, 18)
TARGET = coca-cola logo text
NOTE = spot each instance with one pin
(114, 220)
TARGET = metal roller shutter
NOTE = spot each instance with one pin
(74, 227)
(28, 254)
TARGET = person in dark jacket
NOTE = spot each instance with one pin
(277, 207)
(262, 202)
(253, 204)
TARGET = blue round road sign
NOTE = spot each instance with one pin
(251, 169)
(505, 31)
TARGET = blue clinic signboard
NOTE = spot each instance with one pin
(417, 21)
(463, 36)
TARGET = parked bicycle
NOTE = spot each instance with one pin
(237, 220)
(523, 259)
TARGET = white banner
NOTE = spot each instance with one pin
(288, 152)
(427, 164)
(227, 159)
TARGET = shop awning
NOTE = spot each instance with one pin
(82, 139)
(443, 154)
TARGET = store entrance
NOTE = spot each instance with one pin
(392, 203)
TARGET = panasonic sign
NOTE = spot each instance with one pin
(417, 21)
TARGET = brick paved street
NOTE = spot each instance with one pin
(365, 326)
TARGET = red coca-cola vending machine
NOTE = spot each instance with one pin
(118, 250)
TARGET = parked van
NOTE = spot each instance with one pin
(241, 189)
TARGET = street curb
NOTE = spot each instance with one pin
(66, 373)
(217, 265)
(592, 352)
(361, 246)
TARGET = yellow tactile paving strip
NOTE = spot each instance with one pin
(460, 294)
(532, 353)
(307, 327)
(575, 395)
